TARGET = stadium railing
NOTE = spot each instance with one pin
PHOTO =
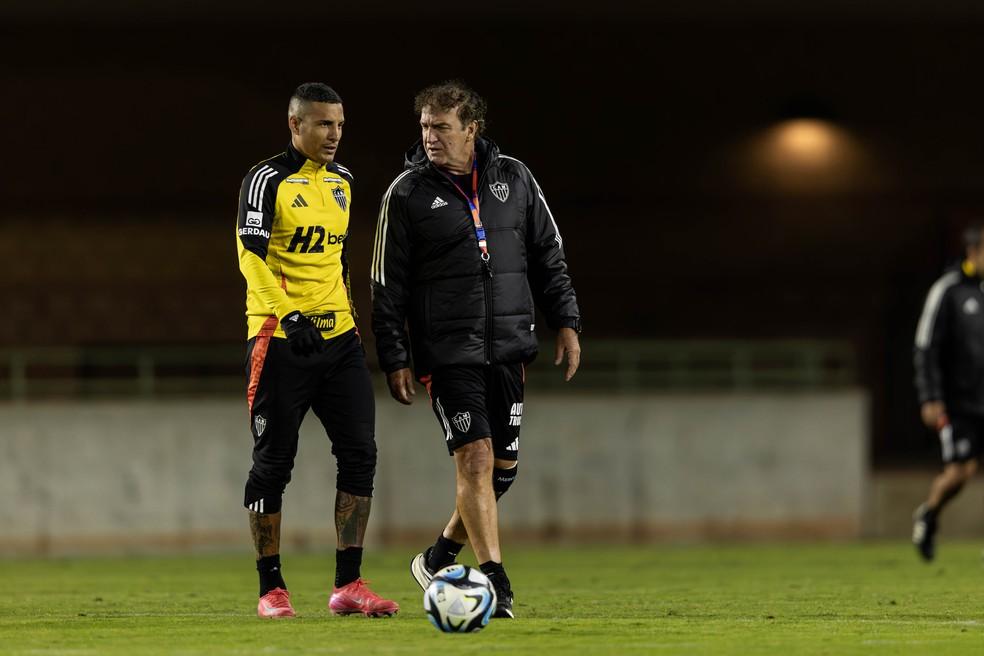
(613, 365)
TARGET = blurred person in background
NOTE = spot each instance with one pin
(949, 365)
(464, 245)
(304, 350)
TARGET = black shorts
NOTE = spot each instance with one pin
(472, 402)
(960, 440)
(335, 384)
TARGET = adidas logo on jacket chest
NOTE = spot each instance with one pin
(444, 213)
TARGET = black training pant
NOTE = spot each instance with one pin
(282, 387)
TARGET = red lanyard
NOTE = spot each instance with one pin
(473, 206)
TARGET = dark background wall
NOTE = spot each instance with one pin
(128, 129)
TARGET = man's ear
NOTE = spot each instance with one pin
(293, 122)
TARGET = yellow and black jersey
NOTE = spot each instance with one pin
(293, 222)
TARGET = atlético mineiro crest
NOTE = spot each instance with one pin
(340, 198)
(500, 190)
(462, 421)
(259, 424)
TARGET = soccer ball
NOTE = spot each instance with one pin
(459, 599)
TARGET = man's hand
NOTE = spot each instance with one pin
(303, 337)
(568, 343)
(934, 415)
(401, 385)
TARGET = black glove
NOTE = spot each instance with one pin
(303, 337)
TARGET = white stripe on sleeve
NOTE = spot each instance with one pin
(539, 191)
(924, 333)
(379, 248)
(257, 176)
(261, 188)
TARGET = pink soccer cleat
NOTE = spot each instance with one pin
(275, 603)
(356, 597)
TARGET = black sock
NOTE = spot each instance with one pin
(348, 563)
(270, 576)
(443, 553)
(496, 574)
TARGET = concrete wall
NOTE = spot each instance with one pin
(121, 476)
(895, 494)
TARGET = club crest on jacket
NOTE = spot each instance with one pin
(500, 190)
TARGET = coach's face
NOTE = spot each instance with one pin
(448, 143)
(317, 129)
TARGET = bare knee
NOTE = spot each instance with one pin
(474, 460)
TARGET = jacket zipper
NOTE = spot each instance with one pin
(486, 279)
(487, 282)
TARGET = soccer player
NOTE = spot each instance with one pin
(304, 350)
(949, 359)
(464, 244)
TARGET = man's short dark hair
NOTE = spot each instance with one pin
(312, 92)
(972, 234)
(446, 96)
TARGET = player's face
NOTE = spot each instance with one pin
(447, 142)
(317, 131)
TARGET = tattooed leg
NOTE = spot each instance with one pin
(266, 533)
(351, 518)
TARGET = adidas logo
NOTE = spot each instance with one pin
(299, 201)
(516, 416)
(438, 202)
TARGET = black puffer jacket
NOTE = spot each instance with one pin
(949, 351)
(427, 270)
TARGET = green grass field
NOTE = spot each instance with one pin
(796, 599)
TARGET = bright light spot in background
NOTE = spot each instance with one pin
(806, 140)
(804, 156)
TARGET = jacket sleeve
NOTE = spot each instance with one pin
(547, 265)
(391, 282)
(932, 330)
(257, 200)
